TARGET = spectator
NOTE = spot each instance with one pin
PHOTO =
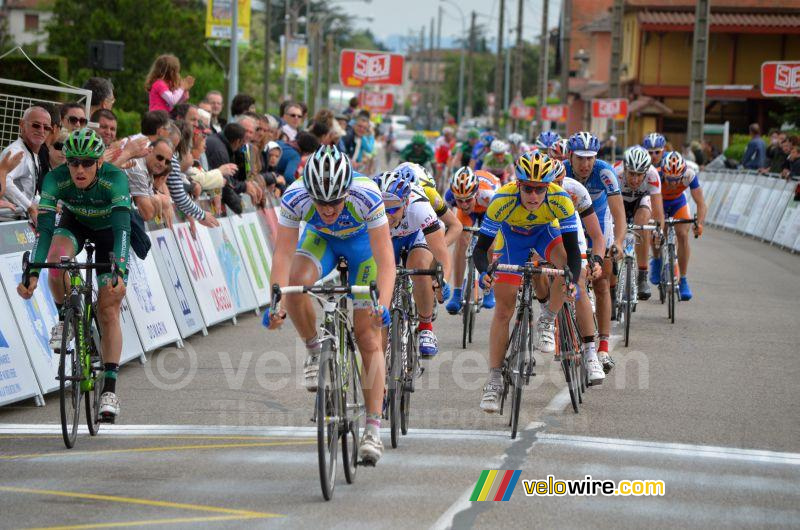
(157, 166)
(755, 156)
(307, 143)
(8, 163)
(775, 147)
(220, 149)
(250, 163)
(20, 185)
(352, 108)
(73, 116)
(164, 84)
(214, 101)
(293, 117)
(186, 112)
(697, 151)
(242, 103)
(212, 180)
(102, 94)
(154, 125)
(176, 183)
(360, 145)
(792, 164)
(49, 155)
(107, 125)
(288, 162)
(264, 136)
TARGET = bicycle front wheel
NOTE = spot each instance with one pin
(328, 415)
(92, 397)
(628, 296)
(395, 371)
(466, 308)
(69, 376)
(673, 287)
(520, 349)
(356, 415)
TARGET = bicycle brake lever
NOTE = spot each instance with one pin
(275, 301)
(26, 275)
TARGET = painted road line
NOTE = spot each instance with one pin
(142, 502)
(167, 448)
(150, 522)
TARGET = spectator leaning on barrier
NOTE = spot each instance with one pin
(21, 181)
(73, 116)
(102, 94)
(755, 156)
(157, 165)
(186, 112)
(293, 117)
(154, 125)
(177, 185)
(107, 125)
(777, 155)
(260, 164)
(289, 161)
(792, 165)
(214, 101)
(8, 162)
(220, 149)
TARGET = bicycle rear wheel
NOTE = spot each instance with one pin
(567, 357)
(519, 346)
(466, 308)
(409, 374)
(69, 387)
(628, 296)
(395, 371)
(328, 415)
(672, 286)
(92, 397)
(355, 414)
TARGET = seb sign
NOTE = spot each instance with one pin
(522, 112)
(780, 78)
(379, 102)
(558, 113)
(358, 68)
(613, 109)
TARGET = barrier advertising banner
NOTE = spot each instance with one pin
(254, 251)
(17, 380)
(224, 240)
(205, 274)
(175, 281)
(147, 299)
(269, 223)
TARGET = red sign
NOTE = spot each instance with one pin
(522, 112)
(557, 113)
(780, 78)
(359, 67)
(614, 109)
(379, 102)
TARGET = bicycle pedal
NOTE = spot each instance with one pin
(366, 463)
(107, 418)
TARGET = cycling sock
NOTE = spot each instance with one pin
(644, 268)
(425, 323)
(110, 381)
(589, 350)
(547, 314)
(374, 423)
(60, 308)
(313, 345)
(496, 375)
(603, 343)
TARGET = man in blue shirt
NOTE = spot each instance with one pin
(287, 165)
(755, 156)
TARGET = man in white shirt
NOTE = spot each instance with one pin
(21, 181)
(293, 116)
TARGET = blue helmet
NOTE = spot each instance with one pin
(546, 139)
(405, 171)
(654, 141)
(584, 143)
(394, 187)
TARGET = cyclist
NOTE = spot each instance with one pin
(499, 161)
(463, 153)
(443, 146)
(417, 175)
(344, 217)
(96, 203)
(583, 308)
(530, 213)
(599, 178)
(518, 145)
(640, 185)
(655, 144)
(415, 229)
(559, 150)
(676, 176)
(546, 140)
(480, 150)
(418, 151)
(470, 192)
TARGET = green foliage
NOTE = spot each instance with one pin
(128, 122)
(790, 113)
(23, 70)
(736, 151)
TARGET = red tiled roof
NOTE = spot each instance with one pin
(749, 5)
(682, 18)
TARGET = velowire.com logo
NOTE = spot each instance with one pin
(495, 485)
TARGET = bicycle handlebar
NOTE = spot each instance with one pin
(643, 227)
(324, 290)
(472, 229)
(67, 264)
(531, 269)
(437, 273)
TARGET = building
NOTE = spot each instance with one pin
(656, 63)
(26, 21)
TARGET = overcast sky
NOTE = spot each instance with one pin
(399, 17)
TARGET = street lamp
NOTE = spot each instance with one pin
(461, 65)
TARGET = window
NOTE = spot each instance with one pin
(31, 22)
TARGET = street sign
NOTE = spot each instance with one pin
(377, 102)
(522, 112)
(614, 109)
(557, 113)
(780, 78)
(218, 20)
(360, 67)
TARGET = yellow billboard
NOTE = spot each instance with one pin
(298, 57)
(218, 20)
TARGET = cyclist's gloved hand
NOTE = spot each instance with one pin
(446, 290)
(485, 281)
(383, 313)
(272, 321)
(698, 230)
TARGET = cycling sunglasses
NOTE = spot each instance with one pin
(530, 189)
(336, 202)
(85, 162)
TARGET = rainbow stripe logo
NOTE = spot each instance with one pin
(495, 485)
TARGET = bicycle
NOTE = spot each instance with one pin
(627, 291)
(568, 350)
(519, 362)
(668, 286)
(80, 367)
(402, 358)
(339, 409)
(472, 296)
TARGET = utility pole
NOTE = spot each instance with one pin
(233, 68)
(566, 28)
(518, 55)
(617, 12)
(286, 36)
(431, 86)
(498, 71)
(437, 87)
(422, 97)
(697, 92)
(267, 50)
(315, 31)
(330, 74)
(544, 50)
(470, 76)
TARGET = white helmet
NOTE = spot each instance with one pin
(416, 174)
(498, 147)
(637, 159)
(515, 139)
(327, 174)
(464, 183)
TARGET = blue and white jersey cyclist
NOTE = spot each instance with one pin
(344, 217)
(600, 180)
(415, 229)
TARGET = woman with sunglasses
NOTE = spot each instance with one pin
(96, 204)
(530, 213)
(415, 228)
(345, 217)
